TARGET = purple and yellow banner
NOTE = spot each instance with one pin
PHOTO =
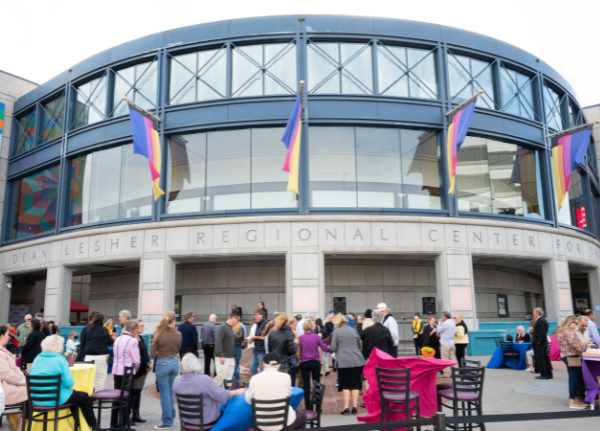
(292, 139)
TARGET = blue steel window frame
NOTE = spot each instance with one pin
(112, 76)
(34, 109)
(492, 62)
(531, 82)
(74, 116)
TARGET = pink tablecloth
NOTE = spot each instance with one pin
(422, 380)
(554, 349)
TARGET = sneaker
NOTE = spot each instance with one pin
(577, 406)
(161, 427)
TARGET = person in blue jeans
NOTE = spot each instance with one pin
(165, 348)
(260, 317)
(238, 345)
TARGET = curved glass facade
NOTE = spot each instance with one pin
(373, 138)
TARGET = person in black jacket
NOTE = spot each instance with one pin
(140, 377)
(281, 342)
(378, 336)
(95, 346)
(33, 344)
(522, 336)
(327, 330)
(81, 354)
(260, 317)
(430, 338)
(540, 345)
(189, 335)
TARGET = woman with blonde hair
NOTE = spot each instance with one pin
(310, 365)
(461, 338)
(345, 343)
(281, 342)
(571, 348)
(110, 326)
(72, 342)
(165, 349)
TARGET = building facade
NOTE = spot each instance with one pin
(373, 221)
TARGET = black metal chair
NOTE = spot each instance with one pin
(498, 342)
(313, 417)
(508, 352)
(465, 363)
(235, 382)
(116, 398)
(191, 408)
(271, 413)
(47, 389)
(465, 396)
(14, 409)
(394, 389)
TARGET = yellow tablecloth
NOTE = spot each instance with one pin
(84, 375)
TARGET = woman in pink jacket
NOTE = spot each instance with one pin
(126, 353)
(11, 377)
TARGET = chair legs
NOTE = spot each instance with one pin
(386, 409)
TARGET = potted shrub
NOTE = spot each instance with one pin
(428, 352)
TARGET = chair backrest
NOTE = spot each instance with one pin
(467, 363)
(498, 342)
(191, 409)
(44, 389)
(507, 347)
(317, 395)
(128, 374)
(234, 382)
(271, 413)
(393, 380)
(470, 378)
(92, 362)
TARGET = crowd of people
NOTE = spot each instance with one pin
(283, 351)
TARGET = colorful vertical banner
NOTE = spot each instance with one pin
(2, 106)
(292, 138)
(146, 142)
(568, 150)
(460, 118)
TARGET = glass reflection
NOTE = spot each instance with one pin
(406, 72)
(26, 138)
(499, 178)
(138, 84)
(54, 115)
(90, 103)
(108, 185)
(552, 107)
(517, 94)
(370, 167)
(228, 170)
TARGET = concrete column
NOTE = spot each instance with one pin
(557, 288)
(5, 294)
(57, 302)
(157, 290)
(305, 282)
(455, 287)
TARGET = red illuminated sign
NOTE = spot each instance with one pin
(580, 214)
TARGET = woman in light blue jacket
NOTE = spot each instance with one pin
(51, 363)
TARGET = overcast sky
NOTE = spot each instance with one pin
(42, 38)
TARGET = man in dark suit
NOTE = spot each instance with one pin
(540, 345)
(378, 336)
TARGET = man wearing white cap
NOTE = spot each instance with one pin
(390, 323)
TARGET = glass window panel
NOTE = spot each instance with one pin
(228, 170)
(269, 180)
(54, 116)
(187, 176)
(264, 69)
(340, 68)
(517, 93)
(332, 166)
(182, 82)
(26, 132)
(108, 185)
(500, 178)
(90, 103)
(552, 102)
(421, 169)
(467, 76)
(34, 204)
(138, 84)
(392, 71)
(378, 168)
(423, 81)
(212, 74)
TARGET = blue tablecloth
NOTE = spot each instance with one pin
(498, 358)
(238, 413)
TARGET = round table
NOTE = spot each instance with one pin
(84, 375)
